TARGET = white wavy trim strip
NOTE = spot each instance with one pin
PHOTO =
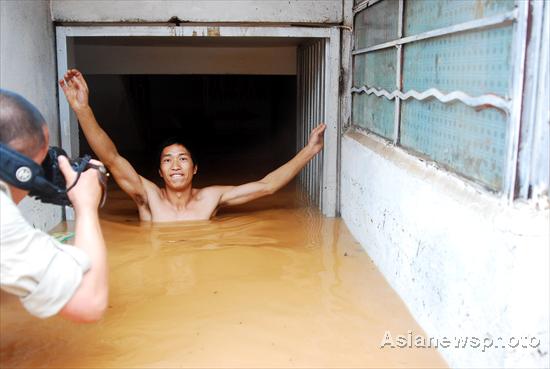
(492, 100)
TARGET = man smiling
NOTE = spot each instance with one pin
(177, 200)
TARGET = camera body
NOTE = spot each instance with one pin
(45, 182)
(52, 173)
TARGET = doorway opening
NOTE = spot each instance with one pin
(244, 98)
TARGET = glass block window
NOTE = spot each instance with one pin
(421, 16)
(436, 78)
(376, 26)
(375, 69)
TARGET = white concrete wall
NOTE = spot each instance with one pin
(27, 66)
(291, 11)
(127, 59)
(464, 262)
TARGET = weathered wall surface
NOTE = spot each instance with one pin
(465, 263)
(27, 66)
(293, 11)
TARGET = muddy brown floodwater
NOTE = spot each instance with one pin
(274, 284)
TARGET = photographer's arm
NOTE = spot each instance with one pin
(89, 301)
(76, 91)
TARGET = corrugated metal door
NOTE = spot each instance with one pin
(311, 112)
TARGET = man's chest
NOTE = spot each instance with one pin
(163, 211)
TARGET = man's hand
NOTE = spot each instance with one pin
(86, 195)
(76, 90)
(317, 138)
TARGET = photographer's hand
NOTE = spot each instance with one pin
(89, 302)
(86, 195)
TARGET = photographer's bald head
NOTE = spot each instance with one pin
(24, 129)
(21, 124)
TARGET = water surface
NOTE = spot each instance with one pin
(274, 284)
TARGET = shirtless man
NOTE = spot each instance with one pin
(178, 200)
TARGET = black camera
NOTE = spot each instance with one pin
(53, 174)
(45, 182)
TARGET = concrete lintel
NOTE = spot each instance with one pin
(264, 11)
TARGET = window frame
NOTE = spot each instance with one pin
(513, 182)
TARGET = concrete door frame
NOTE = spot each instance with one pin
(69, 125)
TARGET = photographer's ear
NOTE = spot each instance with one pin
(66, 169)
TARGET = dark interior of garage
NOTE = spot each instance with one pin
(239, 127)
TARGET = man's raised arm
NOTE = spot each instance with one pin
(76, 91)
(274, 181)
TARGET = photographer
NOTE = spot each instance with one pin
(49, 278)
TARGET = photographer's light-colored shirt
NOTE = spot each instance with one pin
(34, 266)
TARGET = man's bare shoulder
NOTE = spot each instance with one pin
(208, 193)
(149, 185)
(209, 198)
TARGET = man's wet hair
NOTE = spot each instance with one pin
(21, 121)
(174, 140)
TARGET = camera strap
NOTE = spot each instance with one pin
(85, 164)
(103, 175)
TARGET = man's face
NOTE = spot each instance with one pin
(176, 167)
